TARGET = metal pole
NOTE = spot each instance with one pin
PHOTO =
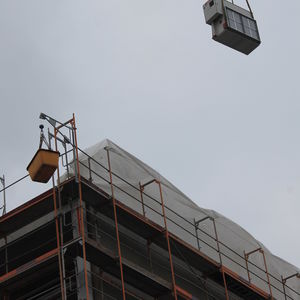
(247, 266)
(218, 249)
(142, 198)
(4, 196)
(225, 283)
(116, 224)
(2, 179)
(260, 250)
(67, 161)
(217, 240)
(196, 231)
(168, 240)
(72, 128)
(253, 251)
(90, 170)
(250, 9)
(74, 159)
(297, 275)
(60, 221)
(283, 285)
(267, 273)
(220, 257)
(81, 208)
(283, 280)
(58, 243)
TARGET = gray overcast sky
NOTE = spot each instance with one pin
(222, 126)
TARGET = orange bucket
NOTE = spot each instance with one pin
(43, 165)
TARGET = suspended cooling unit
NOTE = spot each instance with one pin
(232, 25)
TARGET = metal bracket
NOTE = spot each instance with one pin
(297, 275)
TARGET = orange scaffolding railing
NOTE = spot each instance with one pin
(253, 272)
(116, 225)
(166, 230)
(222, 269)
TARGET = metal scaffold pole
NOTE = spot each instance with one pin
(116, 224)
(220, 258)
(260, 250)
(59, 224)
(166, 231)
(284, 280)
(71, 125)
(59, 252)
(3, 207)
(196, 223)
(225, 283)
(81, 207)
(142, 199)
(168, 240)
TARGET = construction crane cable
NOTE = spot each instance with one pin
(20, 179)
(251, 12)
(10, 185)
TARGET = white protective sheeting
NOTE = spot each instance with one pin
(230, 234)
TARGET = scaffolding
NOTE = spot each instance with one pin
(79, 241)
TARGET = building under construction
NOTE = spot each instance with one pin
(113, 228)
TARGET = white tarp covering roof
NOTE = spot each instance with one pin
(180, 207)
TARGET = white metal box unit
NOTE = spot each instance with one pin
(232, 25)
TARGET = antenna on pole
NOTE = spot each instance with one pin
(3, 207)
